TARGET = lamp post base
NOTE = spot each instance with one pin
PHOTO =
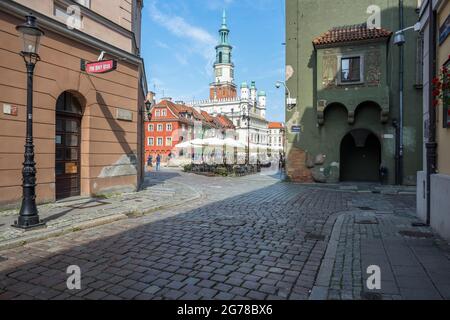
(28, 223)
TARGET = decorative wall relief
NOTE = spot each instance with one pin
(373, 65)
(329, 71)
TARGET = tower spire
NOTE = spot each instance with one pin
(224, 19)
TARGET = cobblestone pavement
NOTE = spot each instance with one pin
(80, 213)
(245, 238)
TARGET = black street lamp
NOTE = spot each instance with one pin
(28, 216)
(148, 110)
(246, 117)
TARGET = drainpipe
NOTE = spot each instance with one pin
(401, 90)
(431, 145)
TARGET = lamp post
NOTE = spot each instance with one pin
(246, 117)
(290, 102)
(28, 216)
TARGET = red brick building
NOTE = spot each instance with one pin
(173, 123)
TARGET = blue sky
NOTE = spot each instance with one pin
(179, 36)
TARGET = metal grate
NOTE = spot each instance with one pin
(366, 222)
(315, 236)
(371, 296)
(415, 234)
(366, 208)
(230, 222)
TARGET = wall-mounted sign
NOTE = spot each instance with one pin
(444, 30)
(103, 66)
(296, 129)
(10, 110)
(123, 114)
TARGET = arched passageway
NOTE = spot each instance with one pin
(360, 156)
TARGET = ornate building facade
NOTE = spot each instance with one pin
(248, 110)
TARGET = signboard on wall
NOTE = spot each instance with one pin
(98, 67)
(444, 30)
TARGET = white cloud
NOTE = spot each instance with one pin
(161, 44)
(200, 41)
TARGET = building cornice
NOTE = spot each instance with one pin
(20, 11)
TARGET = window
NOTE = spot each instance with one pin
(63, 14)
(160, 127)
(150, 142)
(159, 142)
(169, 141)
(169, 127)
(351, 69)
(86, 3)
(164, 112)
(218, 72)
(157, 113)
(151, 127)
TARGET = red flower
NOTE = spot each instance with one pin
(436, 92)
(435, 80)
(435, 103)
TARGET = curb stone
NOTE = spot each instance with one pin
(322, 283)
(127, 214)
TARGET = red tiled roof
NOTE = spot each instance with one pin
(351, 33)
(225, 122)
(276, 125)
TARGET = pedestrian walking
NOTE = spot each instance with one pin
(150, 162)
(158, 162)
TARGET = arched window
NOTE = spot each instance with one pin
(220, 57)
(68, 103)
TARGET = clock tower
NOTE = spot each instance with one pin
(223, 86)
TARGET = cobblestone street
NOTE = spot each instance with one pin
(244, 238)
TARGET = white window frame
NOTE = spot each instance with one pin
(160, 127)
(151, 128)
(84, 3)
(162, 142)
(157, 113)
(169, 141)
(150, 141)
(169, 127)
(163, 113)
(361, 69)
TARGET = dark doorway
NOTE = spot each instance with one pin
(68, 142)
(360, 157)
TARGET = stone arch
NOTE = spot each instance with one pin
(383, 113)
(331, 107)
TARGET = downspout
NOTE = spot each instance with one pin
(401, 90)
(431, 145)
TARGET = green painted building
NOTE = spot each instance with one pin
(343, 73)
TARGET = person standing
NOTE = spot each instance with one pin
(158, 162)
(149, 162)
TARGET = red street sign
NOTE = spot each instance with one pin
(99, 66)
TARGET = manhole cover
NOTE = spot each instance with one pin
(230, 222)
(371, 296)
(416, 234)
(366, 222)
(315, 236)
(366, 208)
